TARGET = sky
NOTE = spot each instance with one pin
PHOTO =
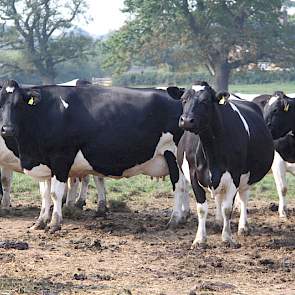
(106, 16)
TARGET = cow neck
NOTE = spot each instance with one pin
(213, 141)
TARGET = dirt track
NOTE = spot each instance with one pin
(131, 252)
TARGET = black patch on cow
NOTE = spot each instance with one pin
(173, 169)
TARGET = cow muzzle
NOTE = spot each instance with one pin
(7, 131)
(186, 122)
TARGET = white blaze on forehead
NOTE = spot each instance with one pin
(9, 89)
(273, 99)
(198, 87)
(185, 168)
(241, 117)
(65, 104)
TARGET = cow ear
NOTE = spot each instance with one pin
(32, 97)
(175, 92)
(222, 97)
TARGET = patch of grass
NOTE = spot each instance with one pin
(268, 88)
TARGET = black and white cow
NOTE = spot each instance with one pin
(76, 131)
(226, 148)
(9, 162)
(284, 157)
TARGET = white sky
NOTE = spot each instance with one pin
(106, 16)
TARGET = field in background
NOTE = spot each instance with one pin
(268, 88)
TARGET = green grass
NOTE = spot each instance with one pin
(268, 88)
(140, 189)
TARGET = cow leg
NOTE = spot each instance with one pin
(202, 211)
(73, 184)
(43, 218)
(226, 196)
(279, 174)
(243, 224)
(218, 213)
(57, 191)
(101, 196)
(6, 180)
(81, 200)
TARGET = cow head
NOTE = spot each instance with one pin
(279, 114)
(198, 103)
(13, 102)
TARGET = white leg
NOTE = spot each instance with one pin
(101, 195)
(279, 174)
(6, 180)
(73, 184)
(57, 191)
(201, 236)
(181, 209)
(218, 213)
(243, 224)
(227, 198)
(81, 200)
(43, 218)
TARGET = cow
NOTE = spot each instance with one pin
(284, 155)
(9, 161)
(66, 132)
(226, 148)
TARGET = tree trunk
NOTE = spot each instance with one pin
(47, 79)
(222, 74)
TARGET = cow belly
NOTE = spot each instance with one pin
(156, 167)
(40, 172)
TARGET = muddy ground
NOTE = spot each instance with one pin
(131, 252)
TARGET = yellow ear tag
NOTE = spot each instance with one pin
(286, 108)
(31, 101)
(222, 100)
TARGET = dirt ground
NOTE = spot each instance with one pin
(131, 252)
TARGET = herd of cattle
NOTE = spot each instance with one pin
(59, 134)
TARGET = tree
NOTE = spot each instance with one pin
(220, 34)
(38, 35)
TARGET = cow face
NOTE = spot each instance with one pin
(14, 103)
(197, 106)
(278, 115)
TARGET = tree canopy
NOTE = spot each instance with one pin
(222, 35)
(38, 35)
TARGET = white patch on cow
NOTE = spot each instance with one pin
(65, 104)
(69, 83)
(185, 168)
(181, 208)
(10, 89)
(157, 165)
(224, 194)
(7, 157)
(57, 191)
(273, 99)
(241, 117)
(198, 87)
(243, 196)
(202, 211)
(39, 172)
(81, 166)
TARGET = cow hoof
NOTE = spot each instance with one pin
(231, 244)
(283, 214)
(80, 204)
(53, 228)
(199, 245)
(100, 212)
(39, 224)
(245, 231)
(176, 221)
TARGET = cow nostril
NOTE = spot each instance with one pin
(181, 118)
(191, 120)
